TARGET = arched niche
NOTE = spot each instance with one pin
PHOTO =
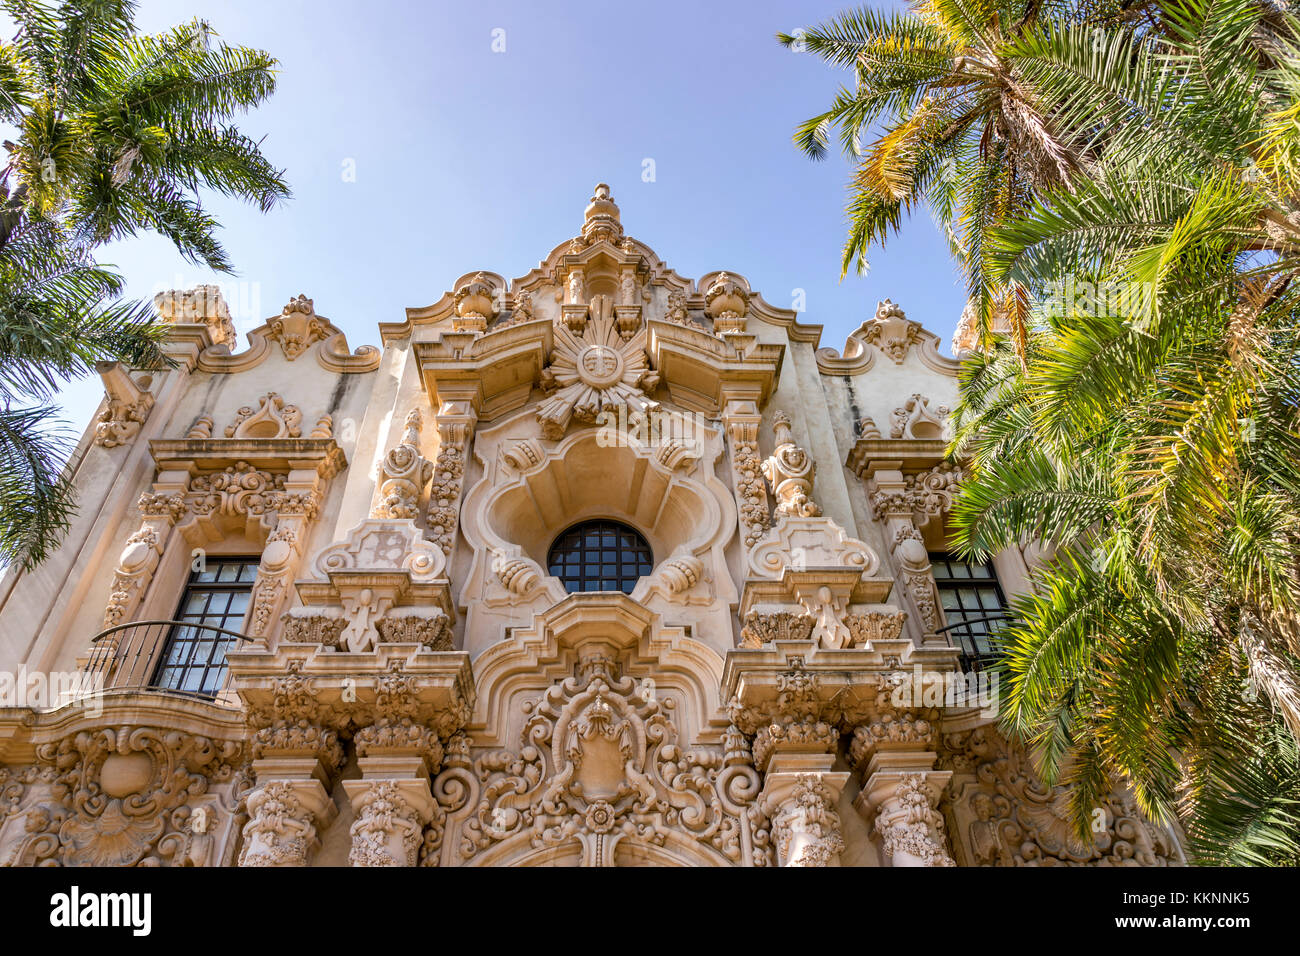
(531, 491)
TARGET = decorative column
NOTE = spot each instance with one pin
(284, 821)
(160, 510)
(296, 752)
(799, 797)
(398, 754)
(296, 508)
(894, 750)
(903, 803)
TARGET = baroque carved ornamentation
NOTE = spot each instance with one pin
(868, 627)
(128, 406)
(475, 304)
(281, 829)
(416, 625)
(600, 763)
(271, 419)
(741, 421)
(312, 625)
(202, 305)
(455, 428)
(806, 824)
(593, 372)
(910, 828)
(118, 793)
(892, 331)
(388, 830)
(404, 473)
(728, 302)
(918, 421)
(790, 471)
(297, 327)
(760, 628)
(1011, 819)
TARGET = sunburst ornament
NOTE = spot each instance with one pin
(595, 372)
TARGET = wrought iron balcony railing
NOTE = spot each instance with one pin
(186, 658)
(976, 637)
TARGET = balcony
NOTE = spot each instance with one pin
(181, 658)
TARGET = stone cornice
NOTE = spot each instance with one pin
(276, 454)
(869, 455)
(22, 730)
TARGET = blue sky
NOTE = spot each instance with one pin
(464, 158)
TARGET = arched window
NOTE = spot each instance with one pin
(600, 556)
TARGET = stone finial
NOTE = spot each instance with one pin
(601, 219)
(727, 302)
(476, 305)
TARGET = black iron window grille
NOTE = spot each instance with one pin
(600, 556)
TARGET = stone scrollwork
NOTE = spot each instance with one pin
(806, 824)
(866, 628)
(271, 419)
(741, 420)
(429, 627)
(892, 331)
(917, 420)
(765, 628)
(281, 830)
(297, 327)
(389, 828)
(1010, 818)
(600, 763)
(204, 306)
(455, 428)
(119, 794)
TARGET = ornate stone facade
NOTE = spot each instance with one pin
(416, 680)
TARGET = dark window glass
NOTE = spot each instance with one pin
(600, 556)
(973, 604)
(194, 658)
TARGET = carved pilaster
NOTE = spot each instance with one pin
(741, 420)
(903, 804)
(456, 421)
(390, 820)
(160, 510)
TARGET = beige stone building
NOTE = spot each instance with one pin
(601, 565)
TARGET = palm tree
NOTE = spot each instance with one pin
(116, 134)
(961, 129)
(1153, 438)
